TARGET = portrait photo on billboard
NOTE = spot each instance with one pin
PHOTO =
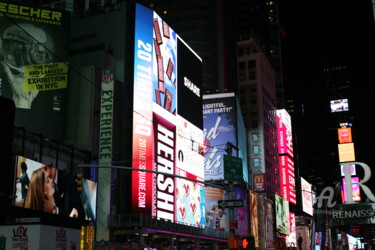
(45, 188)
(34, 62)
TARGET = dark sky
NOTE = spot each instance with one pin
(317, 28)
(320, 28)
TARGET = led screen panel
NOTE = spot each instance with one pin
(345, 135)
(284, 132)
(287, 179)
(34, 65)
(352, 170)
(219, 120)
(60, 194)
(346, 152)
(307, 200)
(355, 190)
(216, 217)
(282, 215)
(254, 215)
(339, 105)
(241, 213)
(291, 239)
(167, 138)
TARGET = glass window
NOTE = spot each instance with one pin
(256, 162)
(255, 137)
(256, 149)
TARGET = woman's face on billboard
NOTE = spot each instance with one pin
(49, 188)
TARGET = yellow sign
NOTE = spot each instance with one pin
(42, 77)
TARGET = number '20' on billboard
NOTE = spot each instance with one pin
(167, 124)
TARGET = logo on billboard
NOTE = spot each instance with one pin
(258, 182)
(60, 238)
(107, 76)
(20, 238)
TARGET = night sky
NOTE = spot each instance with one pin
(314, 30)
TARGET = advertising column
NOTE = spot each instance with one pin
(167, 133)
(105, 155)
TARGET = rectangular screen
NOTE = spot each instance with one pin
(167, 133)
(282, 215)
(60, 193)
(307, 197)
(339, 105)
(346, 152)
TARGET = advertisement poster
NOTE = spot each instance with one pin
(254, 223)
(47, 189)
(40, 237)
(219, 119)
(240, 213)
(34, 65)
(167, 137)
(282, 215)
(216, 217)
(307, 197)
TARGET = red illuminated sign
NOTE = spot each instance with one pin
(345, 135)
(287, 179)
(284, 133)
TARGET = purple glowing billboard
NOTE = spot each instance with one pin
(219, 120)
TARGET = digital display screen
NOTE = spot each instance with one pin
(45, 188)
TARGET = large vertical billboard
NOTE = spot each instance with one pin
(284, 132)
(307, 197)
(282, 215)
(287, 179)
(167, 137)
(219, 119)
(254, 223)
(34, 65)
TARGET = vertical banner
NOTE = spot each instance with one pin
(219, 120)
(105, 155)
(282, 215)
(254, 223)
(34, 65)
(167, 133)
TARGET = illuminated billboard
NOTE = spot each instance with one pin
(284, 132)
(355, 190)
(339, 105)
(346, 152)
(34, 65)
(254, 223)
(291, 239)
(287, 179)
(219, 119)
(282, 215)
(216, 217)
(44, 188)
(345, 135)
(307, 197)
(167, 133)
